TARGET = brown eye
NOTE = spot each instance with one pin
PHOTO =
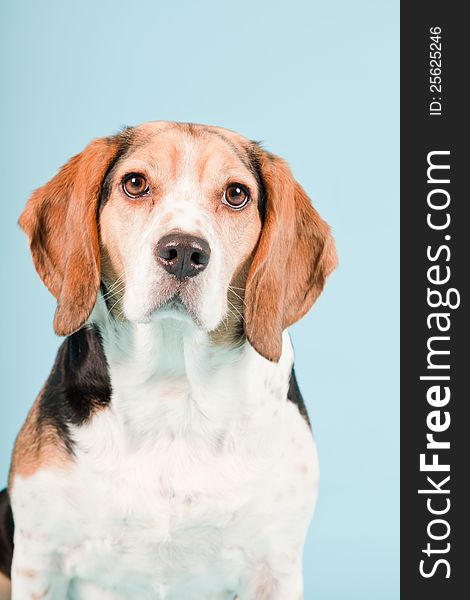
(135, 185)
(236, 196)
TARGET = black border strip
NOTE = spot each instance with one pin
(423, 131)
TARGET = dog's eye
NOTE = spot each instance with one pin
(135, 185)
(236, 196)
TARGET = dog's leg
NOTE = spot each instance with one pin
(268, 583)
(34, 574)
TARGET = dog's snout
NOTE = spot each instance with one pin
(183, 255)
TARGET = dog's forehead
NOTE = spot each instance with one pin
(170, 145)
(196, 130)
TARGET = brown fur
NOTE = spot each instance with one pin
(35, 447)
(230, 331)
(295, 255)
(5, 587)
(60, 221)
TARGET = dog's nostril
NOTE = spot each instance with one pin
(199, 259)
(167, 253)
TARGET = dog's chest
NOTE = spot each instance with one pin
(183, 509)
(164, 517)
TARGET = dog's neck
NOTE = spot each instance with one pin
(168, 376)
(165, 348)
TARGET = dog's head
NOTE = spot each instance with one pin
(180, 220)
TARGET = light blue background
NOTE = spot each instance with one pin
(318, 83)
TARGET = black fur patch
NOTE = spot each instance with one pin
(6, 534)
(78, 384)
(253, 151)
(126, 141)
(294, 395)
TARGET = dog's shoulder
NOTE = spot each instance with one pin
(77, 386)
(294, 395)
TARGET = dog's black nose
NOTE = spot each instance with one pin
(183, 255)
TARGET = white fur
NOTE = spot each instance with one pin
(197, 483)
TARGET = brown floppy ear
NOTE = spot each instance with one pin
(60, 220)
(294, 256)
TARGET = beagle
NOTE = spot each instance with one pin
(168, 455)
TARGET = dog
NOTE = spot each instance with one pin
(169, 454)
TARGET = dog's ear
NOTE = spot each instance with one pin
(294, 256)
(60, 220)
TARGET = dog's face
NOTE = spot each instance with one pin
(179, 224)
(180, 219)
